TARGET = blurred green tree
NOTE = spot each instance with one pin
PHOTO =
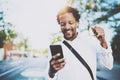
(7, 33)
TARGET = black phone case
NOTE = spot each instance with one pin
(56, 49)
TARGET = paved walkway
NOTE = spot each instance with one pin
(113, 74)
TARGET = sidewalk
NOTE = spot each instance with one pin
(113, 74)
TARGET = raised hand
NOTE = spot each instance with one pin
(100, 34)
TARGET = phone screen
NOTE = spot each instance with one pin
(56, 49)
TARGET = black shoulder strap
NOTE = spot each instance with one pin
(79, 58)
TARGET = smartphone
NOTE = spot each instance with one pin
(56, 49)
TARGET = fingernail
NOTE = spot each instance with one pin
(58, 54)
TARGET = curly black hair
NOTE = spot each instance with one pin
(68, 9)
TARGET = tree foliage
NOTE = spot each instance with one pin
(7, 33)
(102, 11)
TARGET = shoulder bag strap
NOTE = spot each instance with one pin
(79, 58)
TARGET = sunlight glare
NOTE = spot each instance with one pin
(35, 19)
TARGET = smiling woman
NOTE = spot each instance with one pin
(33, 18)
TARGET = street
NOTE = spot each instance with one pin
(23, 69)
(35, 69)
(113, 74)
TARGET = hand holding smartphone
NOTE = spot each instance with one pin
(56, 49)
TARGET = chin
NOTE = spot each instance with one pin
(67, 38)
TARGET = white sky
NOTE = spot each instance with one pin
(36, 19)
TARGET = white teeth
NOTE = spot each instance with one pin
(67, 32)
